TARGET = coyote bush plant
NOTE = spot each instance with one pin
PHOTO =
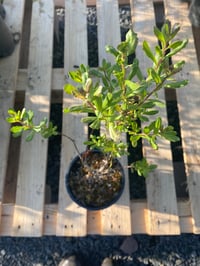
(117, 96)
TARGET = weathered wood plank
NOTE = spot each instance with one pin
(161, 196)
(72, 219)
(188, 104)
(58, 79)
(28, 212)
(8, 78)
(112, 218)
(90, 2)
(139, 218)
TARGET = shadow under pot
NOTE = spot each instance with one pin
(95, 181)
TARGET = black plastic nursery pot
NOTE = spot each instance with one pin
(7, 43)
(94, 181)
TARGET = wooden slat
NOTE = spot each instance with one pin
(58, 79)
(120, 2)
(72, 219)
(8, 77)
(188, 100)
(28, 212)
(161, 196)
(139, 218)
(115, 219)
(108, 27)
(90, 2)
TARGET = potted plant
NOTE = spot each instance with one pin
(120, 99)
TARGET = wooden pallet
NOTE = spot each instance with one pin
(22, 194)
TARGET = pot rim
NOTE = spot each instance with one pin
(91, 207)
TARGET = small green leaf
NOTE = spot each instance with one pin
(69, 88)
(148, 51)
(155, 76)
(132, 85)
(11, 111)
(159, 35)
(11, 120)
(129, 45)
(153, 143)
(96, 73)
(95, 124)
(88, 85)
(16, 129)
(134, 67)
(110, 49)
(30, 136)
(146, 130)
(88, 119)
(158, 123)
(113, 132)
(182, 44)
(151, 112)
(176, 84)
(30, 114)
(98, 91)
(22, 113)
(75, 76)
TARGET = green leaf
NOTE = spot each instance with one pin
(175, 44)
(95, 124)
(88, 84)
(143, 118)
(179, 64)
(176, 84)
(142, 167)
(182, 44)
(134, 67)
(154, 75)
(158, 103)
(69, 88)
(129, 45)
(132, 85)
(75, 76)
(30, 114)
(30, 136)
(80, 109)
(175, 29)
(96, 73)
(158, 51)
(83, 68)
(97, 101)
(158, 123)
(152, 112)
(149, 104)
(153, 143)
(170, 134)
(98, 91)
(110, 49)
(148, 51)
(113, 132)
(11, 112)
(17, 129)
(134, 140)
(88, 119)
(166, 30)
(159, 35)
(11, 120)
(146, 130)
(22, 113)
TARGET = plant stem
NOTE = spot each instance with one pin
(74, 143)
